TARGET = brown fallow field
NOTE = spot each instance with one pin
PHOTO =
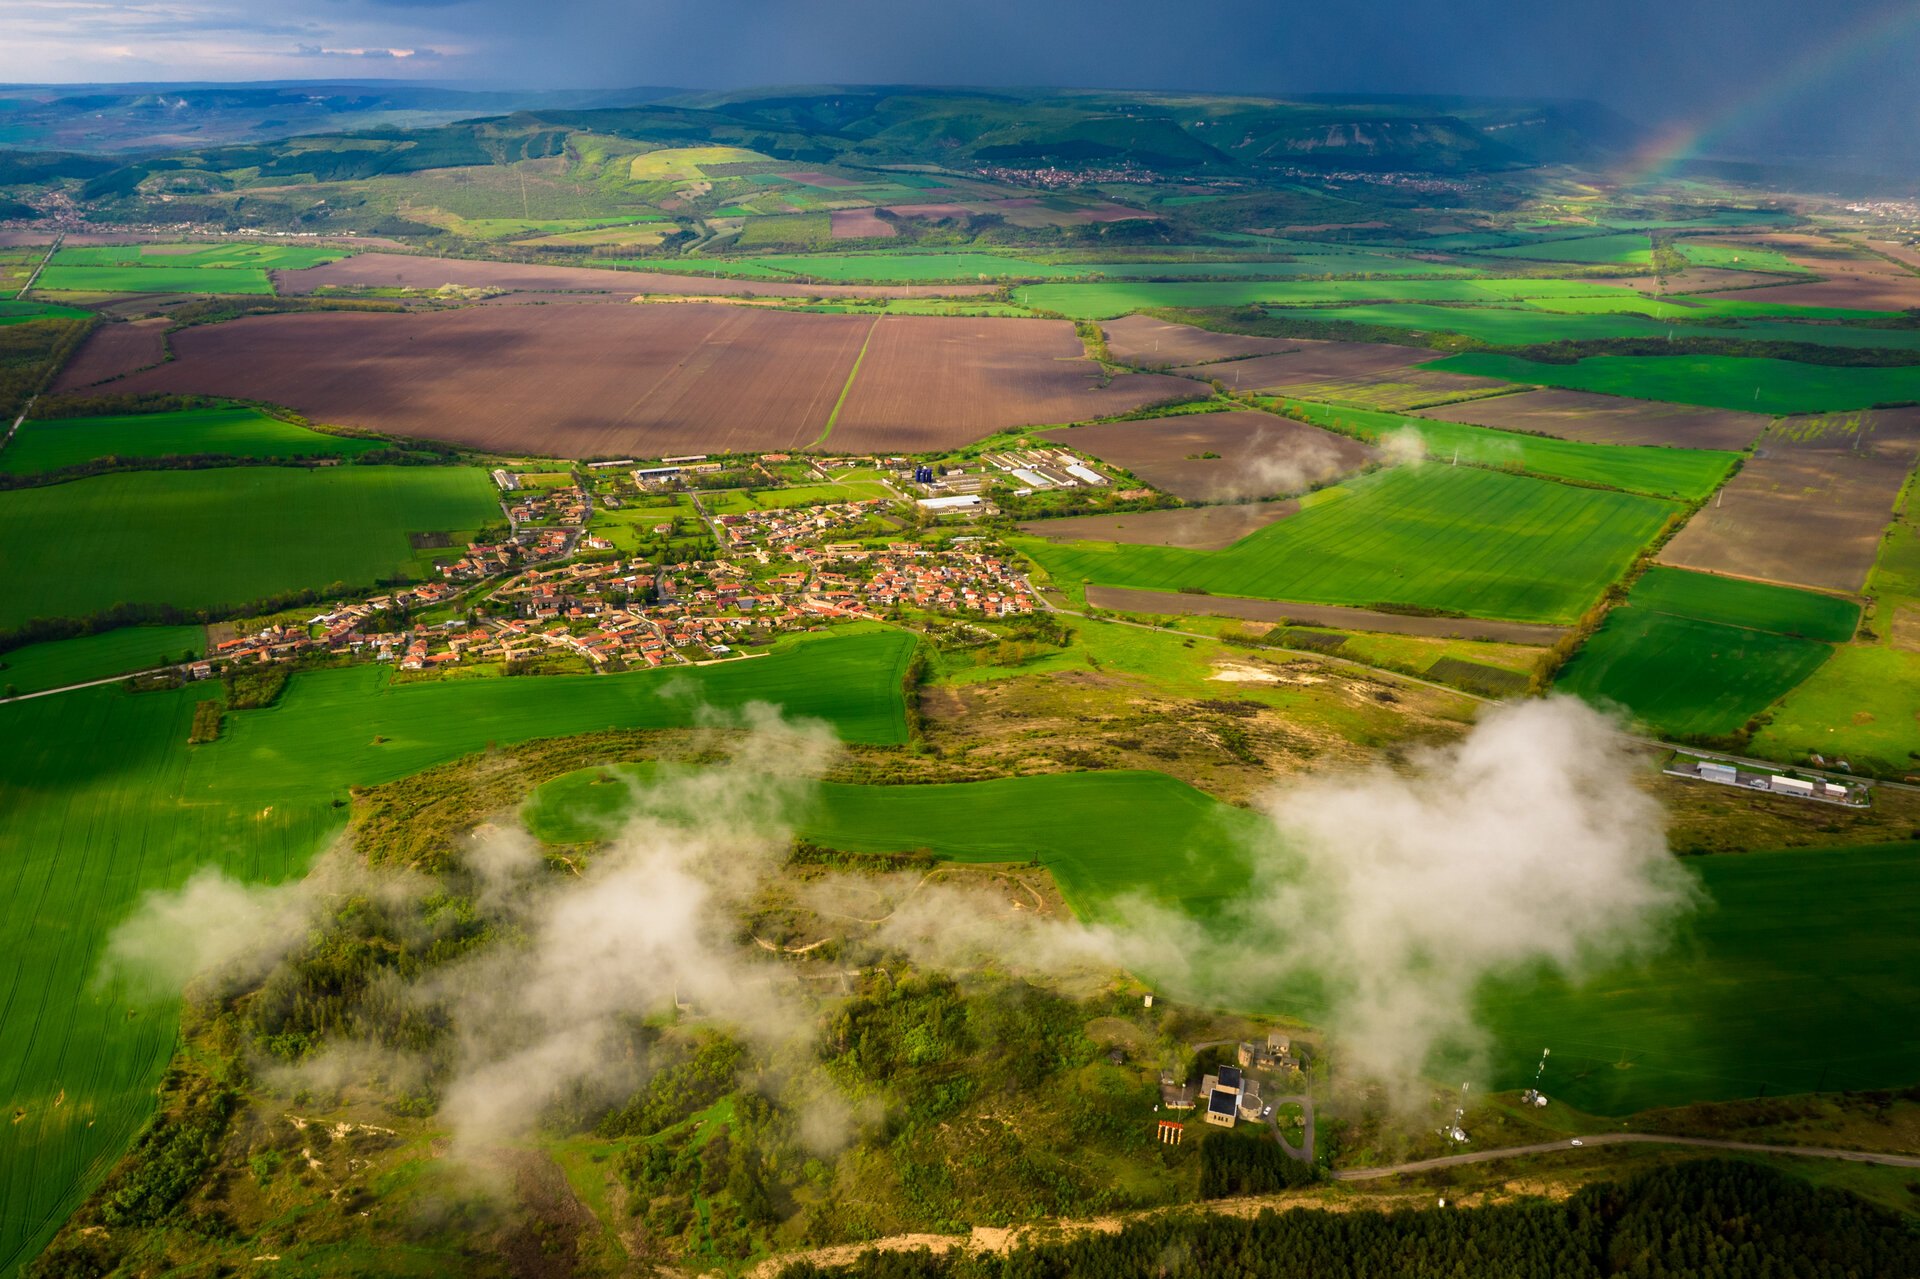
(1143, 340)
(1810, 506)
(649, 380)
(860, 224)
(397, 271)
(1609, 419)
(928, 382)
(114, 350)
(1260, 455)
(1856, 290)
(1193, 528)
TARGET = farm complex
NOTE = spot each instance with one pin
(700, 684)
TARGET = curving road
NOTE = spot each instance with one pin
(1625, 1138)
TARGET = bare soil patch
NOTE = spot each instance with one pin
(1808, 509)
(936, 381)
(575, 381)
(392, 270)
(1696, 279)
(1202, 528)
(114, 350)
(1259, 454)
(1609, 419)
(858, 224)
(1901, 252)
(1854, 289)
(1352, 619)
(1304, 361)
(1143, 340)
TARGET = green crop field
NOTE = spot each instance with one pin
(1691, 653)
(1099, 301)
(228, 536)
(1518, 324)
(1813, 938)
(1661, 472)
(13, 311)
(1448, 537)
(1862, 706)
(265, 257)
(131, 648)
(1715, 381)
(235, 432)
(1738, 257)
(1748, 304)
(105, 800)
(1630, 249)
(1758, 605)
(152, 279)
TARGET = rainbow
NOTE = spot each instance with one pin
(1818, 65)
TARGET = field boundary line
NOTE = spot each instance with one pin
(847, 390)
(53, 248)
(1626, 1138)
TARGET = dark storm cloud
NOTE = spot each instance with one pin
(1688, 62)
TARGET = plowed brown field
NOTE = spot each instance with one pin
(932, 381)
(858, 224)
(115, 349)
(1609, 419)
(1193, 528)
(1141, 339)
(393, 270)
(1260, 455)
(1810, 506)
(575, 381)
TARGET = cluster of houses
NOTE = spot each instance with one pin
(784, 531)
(1232, 1093)
(568, 506)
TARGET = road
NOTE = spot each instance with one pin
(1626, 1138)
(51, 250)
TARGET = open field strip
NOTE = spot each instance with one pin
(1736, 304)
(234, 432)
(1695, 654)
(1516, 326)
(16, 312)
(37, 667)
(1429, 536)
(1102, 301)
(105, 800)
(1717, 381)
(228, 256)
(1809, 936)
(224, 536)
(1658, 472)
(1624, 248)
(156, 279)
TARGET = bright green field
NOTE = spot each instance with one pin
(17, 312)
(263, 257)
(1747, 304)
(1815, 940)
(157, 279)
(1736, 257)
(1716, 381)
(1460, 538)
(75, 661)
(1631, 249)
(236, 432)
(105, 800)
(1515, 325)
(1759, 605)
(1692, 653)
(1863, 705)
(226, 536)
(1099, 301)
(1661, 472)
(1681, 676)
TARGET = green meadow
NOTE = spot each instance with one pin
(1715, 381)
(1811, 938)
(152, 279)
(13, 311)
(233, 432)
(105, 801)
(1626, 249)
(1736, 257)
(1695, 654)
(34, 667)
(229, 256)
(1660, 472)
(1100, 301)
(1462, 539)
(1516, 324)
(225, 536)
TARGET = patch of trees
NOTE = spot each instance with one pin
(42, 629)
(54, 408)
(31, 352)
(218, 310)
(114, 464)
(1248, 1162)
(1713, 1217)
(678, 1091)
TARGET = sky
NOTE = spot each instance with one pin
(1832, 77)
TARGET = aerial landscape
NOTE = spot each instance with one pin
(879, 645)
